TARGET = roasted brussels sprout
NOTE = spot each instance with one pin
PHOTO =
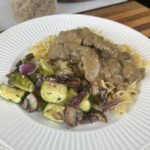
(10, 93)
(45, 68)
(54, 112)
(53, 92)
(20, 81)
(85, 104)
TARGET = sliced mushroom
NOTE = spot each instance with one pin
(30, 103)
(72, 116)
(101, 97)
(100, 116)
(96, 115)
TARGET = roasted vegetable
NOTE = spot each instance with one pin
(111, 104)
(27, 68)
(28, 58)
(71, 94)
(53, 92)
(45, 68)
(76, 100)
(33, 77)
(73, 116)
(20, 81)
(11, 94)
(30, 103)
(84, 86)
(42, 104)
(54, 112)
(73, 83)
(101, 97)
(98, 116)
(85, 104)
(97, 107)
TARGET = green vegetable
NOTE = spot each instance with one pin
(53, 92)
(11, 94)
(29, 56)
(27, 59)
(54, 112)
(85, 104)
(33, 77)
(21, 81)
(91, 98)
(42, 104)
(71, 94)
(45, 68)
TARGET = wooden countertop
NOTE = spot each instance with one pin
(131, 13)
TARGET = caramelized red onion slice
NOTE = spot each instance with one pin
(111, 104)
(28, 68)
(76, 100)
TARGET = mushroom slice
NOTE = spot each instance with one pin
(30, 103)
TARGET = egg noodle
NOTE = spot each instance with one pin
(41, 48)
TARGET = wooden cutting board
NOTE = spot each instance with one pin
(131, 13)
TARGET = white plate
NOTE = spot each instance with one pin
(23, 131)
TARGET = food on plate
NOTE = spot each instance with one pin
(76, 77)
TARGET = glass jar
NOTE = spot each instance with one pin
(28, 9)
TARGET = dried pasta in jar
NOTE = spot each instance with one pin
(28, 9)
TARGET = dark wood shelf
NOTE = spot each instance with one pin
(132, 14)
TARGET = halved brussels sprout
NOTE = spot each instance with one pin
(54, 112)
(71, 94)
(11, 94)
(85, 104)
(53, 92)
(45, 68)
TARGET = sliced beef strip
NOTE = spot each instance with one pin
(58, 51)
(132, 73)
(116, 80)
(73, 49)
(77, 70)
(69, 36)
(87, 56)
(91, 64)
(125, 57)
(89, 38)
(107, 49)
(72, 116)
(111, 68)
